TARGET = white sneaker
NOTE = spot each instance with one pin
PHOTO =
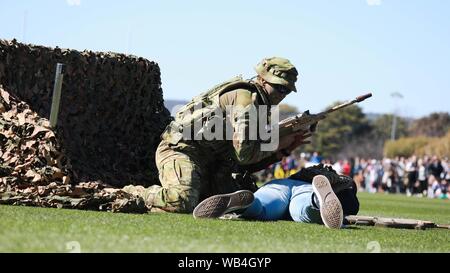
(218, 205)
(330, 206)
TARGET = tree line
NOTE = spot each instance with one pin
(350, 133)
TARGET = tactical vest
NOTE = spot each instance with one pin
(201, 110)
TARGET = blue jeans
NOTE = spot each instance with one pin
(284, 199)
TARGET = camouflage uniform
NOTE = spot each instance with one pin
(192, 170)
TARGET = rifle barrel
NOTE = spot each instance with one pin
(363, 97)
(345, 104)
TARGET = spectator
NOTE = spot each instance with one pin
(436, 168)
(282, 169)
(316, 158)
(352, 166)
(400, 169)
(388, 180)
(338, 166)
(373, 176)
(292, 164)
(422, 176)
(346, 168)
(434, 187)
(411, 174)
(444, 190)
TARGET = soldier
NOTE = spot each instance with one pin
(192, 169)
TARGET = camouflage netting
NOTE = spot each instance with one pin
(35, 171)
(111, 116)
(111, 113)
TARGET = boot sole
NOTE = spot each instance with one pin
(218, 205)
(330, 206)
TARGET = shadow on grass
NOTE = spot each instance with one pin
(352, 227)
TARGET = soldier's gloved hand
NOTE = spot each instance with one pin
(290, 142)
(287, 141)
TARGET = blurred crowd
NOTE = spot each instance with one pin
(427, 176)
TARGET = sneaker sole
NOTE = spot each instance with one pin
(218, 205)
(330, 206)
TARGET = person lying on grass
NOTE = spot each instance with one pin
(312, 195)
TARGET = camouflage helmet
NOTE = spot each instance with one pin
(278, 70)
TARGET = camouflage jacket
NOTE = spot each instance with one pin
(217, 123)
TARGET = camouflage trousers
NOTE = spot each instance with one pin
(186, 179)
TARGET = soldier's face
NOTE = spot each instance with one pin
(276, 94)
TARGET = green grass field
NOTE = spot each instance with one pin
(28, 229)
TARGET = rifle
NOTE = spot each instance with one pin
(306, 121)
(392, 222)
